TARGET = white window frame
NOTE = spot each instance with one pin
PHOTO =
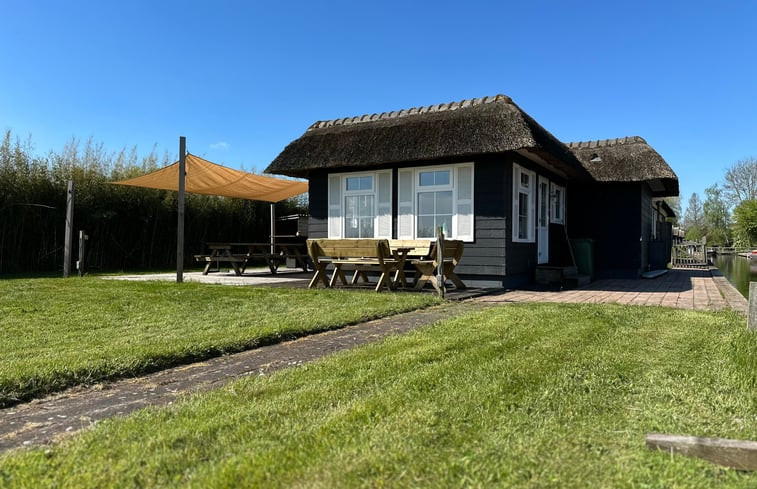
(557, 197)
(419, 189)
(381, 210)
(530, 191)
(370, 192)
(408, 210)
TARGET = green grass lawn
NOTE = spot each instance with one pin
(57, 333)
(527, 395)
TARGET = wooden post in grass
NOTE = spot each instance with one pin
(81, 264)
(737, 454)
(69, 236)
(440, 260)
(751, 321)
(180, 205)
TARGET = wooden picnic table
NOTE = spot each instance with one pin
(246, 252)
(220, 252)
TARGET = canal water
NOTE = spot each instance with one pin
(736, 269)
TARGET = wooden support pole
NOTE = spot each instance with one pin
(273, 228)
(180, 204)
(737, 454)
(69, 236)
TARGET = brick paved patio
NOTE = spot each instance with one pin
(680, 288)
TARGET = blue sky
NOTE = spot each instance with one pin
(242, 79)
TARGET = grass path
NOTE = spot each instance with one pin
(526, 395)
(57, 333)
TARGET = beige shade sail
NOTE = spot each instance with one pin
(205, 177)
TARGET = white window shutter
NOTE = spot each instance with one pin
(384, 204)
(335, 206)
(464, 214)
(405, 207)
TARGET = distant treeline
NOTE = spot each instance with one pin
(128, 227)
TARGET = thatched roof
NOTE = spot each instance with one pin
(628, 159)
(456, 130)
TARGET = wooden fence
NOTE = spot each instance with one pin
(689, 255)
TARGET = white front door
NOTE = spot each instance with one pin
(542, 221)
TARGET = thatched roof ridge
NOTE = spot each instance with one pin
(628, 159)
(450, 131)
(408, 112)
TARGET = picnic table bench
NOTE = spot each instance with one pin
(360, 255)
(282, 252)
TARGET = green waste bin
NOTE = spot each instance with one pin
(583, 253)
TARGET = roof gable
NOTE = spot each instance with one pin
(628, 159)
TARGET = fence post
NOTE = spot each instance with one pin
(751, 321)
(68, 239)
(81, 264)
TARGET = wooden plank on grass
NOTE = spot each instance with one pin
(737, 454)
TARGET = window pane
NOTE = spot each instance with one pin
(351, 228)
(425, 226)
(366, 228)
(350, 206)
(444, 202)
(525, 181)
(426, 178)
(353, 183)
(523, 216)
(359, 183)
(441, 177)
(366, 205)
(426, 203)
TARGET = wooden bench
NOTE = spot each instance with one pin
(427, 267)
(360, 255)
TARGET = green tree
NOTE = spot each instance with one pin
(745, 223)
(693, 219)
(716, 216)
(741, 181)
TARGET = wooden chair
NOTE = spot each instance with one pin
(426, 268)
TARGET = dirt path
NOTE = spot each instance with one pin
(45, 420)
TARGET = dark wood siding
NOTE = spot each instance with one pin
(610, 215)
(318, 205)
(647, 221)
(486, 255)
